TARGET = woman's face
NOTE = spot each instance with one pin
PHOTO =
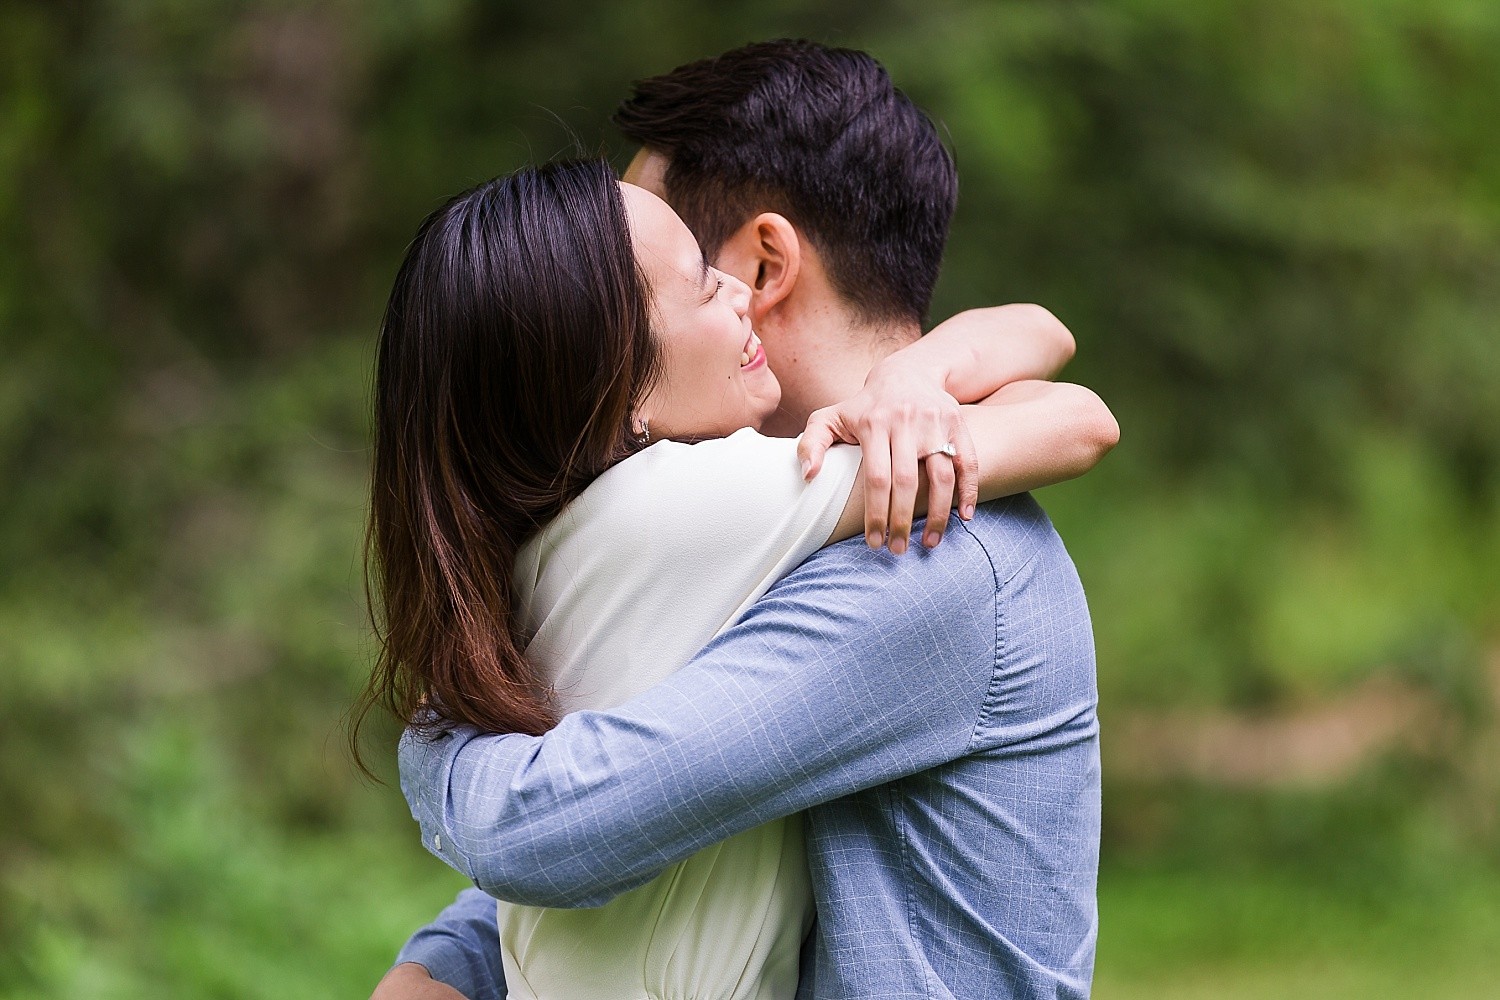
(714, 374)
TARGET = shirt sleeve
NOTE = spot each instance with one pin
(857, 668)
(462, 947)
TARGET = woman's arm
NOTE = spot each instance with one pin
(909, 408)
(1027, 435)
(975, 352)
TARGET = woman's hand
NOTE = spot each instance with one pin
(902, 421)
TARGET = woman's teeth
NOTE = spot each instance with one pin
(746, 356)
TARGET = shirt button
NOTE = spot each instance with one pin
(437, 841)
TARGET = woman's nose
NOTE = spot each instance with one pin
(739, 293)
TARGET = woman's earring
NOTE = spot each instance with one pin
(645, 432)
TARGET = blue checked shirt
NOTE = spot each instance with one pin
(934, 714)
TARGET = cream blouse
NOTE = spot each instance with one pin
(660, 554)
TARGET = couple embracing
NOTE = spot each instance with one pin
(710, 709)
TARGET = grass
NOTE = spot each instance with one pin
(1173, 936)
(324, 917)
(207, 903)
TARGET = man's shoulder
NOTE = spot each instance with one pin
(1014, 532)
(1003, 537)
(1016, 518)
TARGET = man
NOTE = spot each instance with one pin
(934, 714)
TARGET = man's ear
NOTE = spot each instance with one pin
(766, 254)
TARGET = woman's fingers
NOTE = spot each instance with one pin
(877, 464)
(940, 481)
(898, 445)
(906, 461)
(966, 469)
(816, 439)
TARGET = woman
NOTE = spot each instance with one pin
(544, 331)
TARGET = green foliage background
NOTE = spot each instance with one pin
(1273, 226)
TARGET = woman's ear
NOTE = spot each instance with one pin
(766, 254)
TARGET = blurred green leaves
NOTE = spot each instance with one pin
(1274, 228)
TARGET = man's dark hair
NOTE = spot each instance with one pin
(819, 135)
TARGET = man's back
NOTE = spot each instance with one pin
(935, 711)
(976, 877)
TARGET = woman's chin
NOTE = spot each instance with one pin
(767, 410)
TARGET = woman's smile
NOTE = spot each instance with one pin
(754, 355)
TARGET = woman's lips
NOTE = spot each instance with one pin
(753, 355)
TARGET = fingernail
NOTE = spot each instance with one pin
(898, 545)
(806, 466)
(931, 539)
(968, 512)
(873, 540)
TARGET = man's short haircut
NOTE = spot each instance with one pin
(821, 136)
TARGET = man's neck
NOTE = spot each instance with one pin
(831, 355)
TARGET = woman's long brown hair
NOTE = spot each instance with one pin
(513, 350)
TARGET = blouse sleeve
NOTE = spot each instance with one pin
(664, 551)
(736, 505)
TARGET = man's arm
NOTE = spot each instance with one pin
(456, 956)
(858, 668)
